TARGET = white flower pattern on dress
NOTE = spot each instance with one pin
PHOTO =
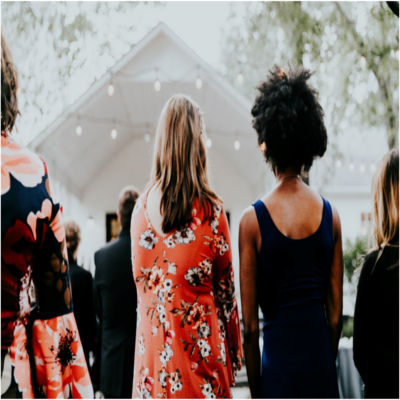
(178, 322)
(148, 239)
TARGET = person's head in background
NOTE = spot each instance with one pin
(385, 191)
(9, 87)
(127, 201)
(73, 238)
(180, 163)
(289, 121)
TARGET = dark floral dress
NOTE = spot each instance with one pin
(45, 351)
(188, 330)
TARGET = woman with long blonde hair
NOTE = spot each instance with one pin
(376, 317)
(188, 341)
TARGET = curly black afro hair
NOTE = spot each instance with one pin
(289, 119)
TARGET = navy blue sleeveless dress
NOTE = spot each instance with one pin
(293, 277)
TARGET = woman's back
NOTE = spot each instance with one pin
(187, 312)
(296, 246)
(295, 258)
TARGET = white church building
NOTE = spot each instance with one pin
(104, 141)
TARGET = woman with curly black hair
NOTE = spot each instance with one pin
(290, 251)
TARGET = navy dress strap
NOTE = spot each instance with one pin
(327, 219)
(262, 216)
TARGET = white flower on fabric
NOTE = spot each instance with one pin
(194, 276)
(160, 308)
(166, 355)
(214, 226)
(223, 249)
(178, 386)
(162, 377)
(205, 350)
(169, 242)
(201, 343)
(204, 330)
(142, 349)
(154, 330)
(161, 296)
(184, 236)
(167, 284)
(207, 391)
(147, 239)
(206, 266)
(221, 347)
(172, 268)
(221, 327)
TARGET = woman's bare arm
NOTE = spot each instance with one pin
(335, 289)
(248, 236)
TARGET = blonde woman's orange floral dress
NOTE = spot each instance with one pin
(46, 354)
(188, 342)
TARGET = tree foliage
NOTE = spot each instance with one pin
(352, 47)
(60, 48)
(354, 252)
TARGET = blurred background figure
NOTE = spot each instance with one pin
(41, 353)
(82, 290)
(115, 302)
(376, 317)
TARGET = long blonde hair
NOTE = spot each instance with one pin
(180, 164)
(386, 199)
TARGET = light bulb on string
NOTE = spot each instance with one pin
(110, 89)
(351, 166)
(362, 168)
(157, 85)
(113, 133)
(199, 83)
(240, 78)
(208, 143)
(338, 163)
(147, 137)
(236, 144)
(78, 130)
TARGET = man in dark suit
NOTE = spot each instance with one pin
(115, 300)
(82, 291)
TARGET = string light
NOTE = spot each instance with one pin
(199, 83)
(78, 130)
(147, 138)
(110, 89)
(362, 168)
(240, 78)
(208, 143)
(338, 163)
(351, 166)
(157, 85)
(113, 133)
(236, 145)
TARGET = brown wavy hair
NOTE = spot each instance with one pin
(9, 87)
(386, 199)
(180, 164)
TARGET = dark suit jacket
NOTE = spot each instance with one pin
(82, 297)
(376, 324)
(115, 299)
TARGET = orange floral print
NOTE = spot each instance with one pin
(188, 330)
(24, 165)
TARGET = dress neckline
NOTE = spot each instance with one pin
(148, 221)
(297, 239)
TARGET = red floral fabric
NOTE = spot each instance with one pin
(188, 342)
(34, 255)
